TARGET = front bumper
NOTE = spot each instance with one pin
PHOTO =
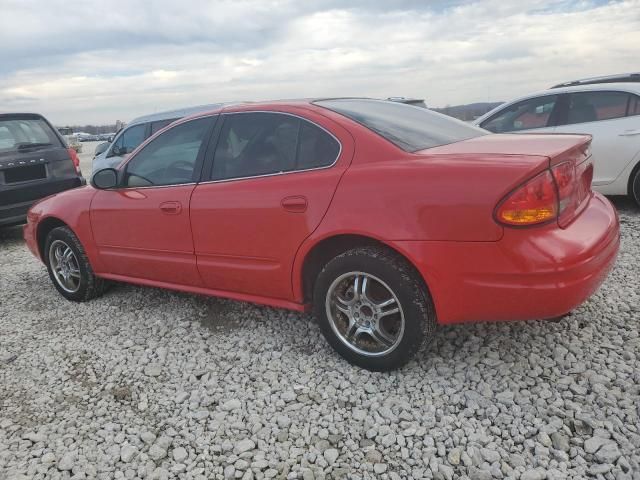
(532, 273)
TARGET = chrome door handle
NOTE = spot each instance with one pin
(629, 133)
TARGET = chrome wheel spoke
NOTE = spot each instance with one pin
(356, 288)
(352, 329)
(363, 288)
(391, 311)
(343, 304)
(74, 272)
(380, 336)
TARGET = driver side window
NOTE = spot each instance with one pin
(525, 115)
(128, 141)
(169, 159)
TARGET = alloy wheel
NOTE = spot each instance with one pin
(65, 266)
(365, 314)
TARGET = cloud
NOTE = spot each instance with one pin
(102, 61)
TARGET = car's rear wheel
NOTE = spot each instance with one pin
(373, 308)
(69, 268)
(634, 187)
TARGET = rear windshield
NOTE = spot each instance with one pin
(410, 128)
(25, 133)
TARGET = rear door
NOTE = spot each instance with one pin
(34, 162)
(142, 229)
(612, 118)
(273, 177)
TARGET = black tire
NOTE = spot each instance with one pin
(634, 186)
(401, 281)
(89, 286)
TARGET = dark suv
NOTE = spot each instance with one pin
(35, 162)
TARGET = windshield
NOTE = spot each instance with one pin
(407, 127)
(23, 133)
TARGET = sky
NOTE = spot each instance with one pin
(92, 62)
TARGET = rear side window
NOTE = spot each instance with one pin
(408, 127)
(316, 148)
(129, 140)
(25, 133)
(595, 106)
(524, 115)
(160, 124)
(260, 143)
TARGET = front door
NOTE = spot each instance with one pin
(273, 178)
(142, 229)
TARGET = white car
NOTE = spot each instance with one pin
(608, 108)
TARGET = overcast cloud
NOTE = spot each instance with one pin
(79, 61)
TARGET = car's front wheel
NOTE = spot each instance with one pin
(373, 308)
(69, 268)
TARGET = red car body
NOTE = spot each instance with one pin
(263, 239)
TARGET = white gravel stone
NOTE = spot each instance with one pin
(180, 454)
(127, 452)
(331, 455)
(233, 404)
(157, 452)
(244, 446)
(380, 468)
(66, 462)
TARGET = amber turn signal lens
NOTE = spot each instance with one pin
(534, 202)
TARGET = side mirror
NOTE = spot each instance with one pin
(105, 179)
(110, 139)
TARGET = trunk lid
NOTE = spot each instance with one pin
(556, 147)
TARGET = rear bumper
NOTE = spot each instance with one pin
(533, 273)
(16, 201)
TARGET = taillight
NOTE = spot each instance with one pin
(75, 159)
(565, 176)
(557, 193)
(533, 203)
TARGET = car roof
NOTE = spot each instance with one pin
(20, 114)
(299, 102)
(618, 78)
(178, 113)
(598, 87)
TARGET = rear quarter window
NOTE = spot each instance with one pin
(406, 126)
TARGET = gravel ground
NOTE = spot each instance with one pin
(146, 383)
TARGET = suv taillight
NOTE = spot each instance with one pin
(75, 159)
(533, 203)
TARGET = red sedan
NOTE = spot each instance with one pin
(383, 218)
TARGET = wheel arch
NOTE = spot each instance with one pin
(333, 245)
(632, 175)
(43, 229)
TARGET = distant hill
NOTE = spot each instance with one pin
(468, 112)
